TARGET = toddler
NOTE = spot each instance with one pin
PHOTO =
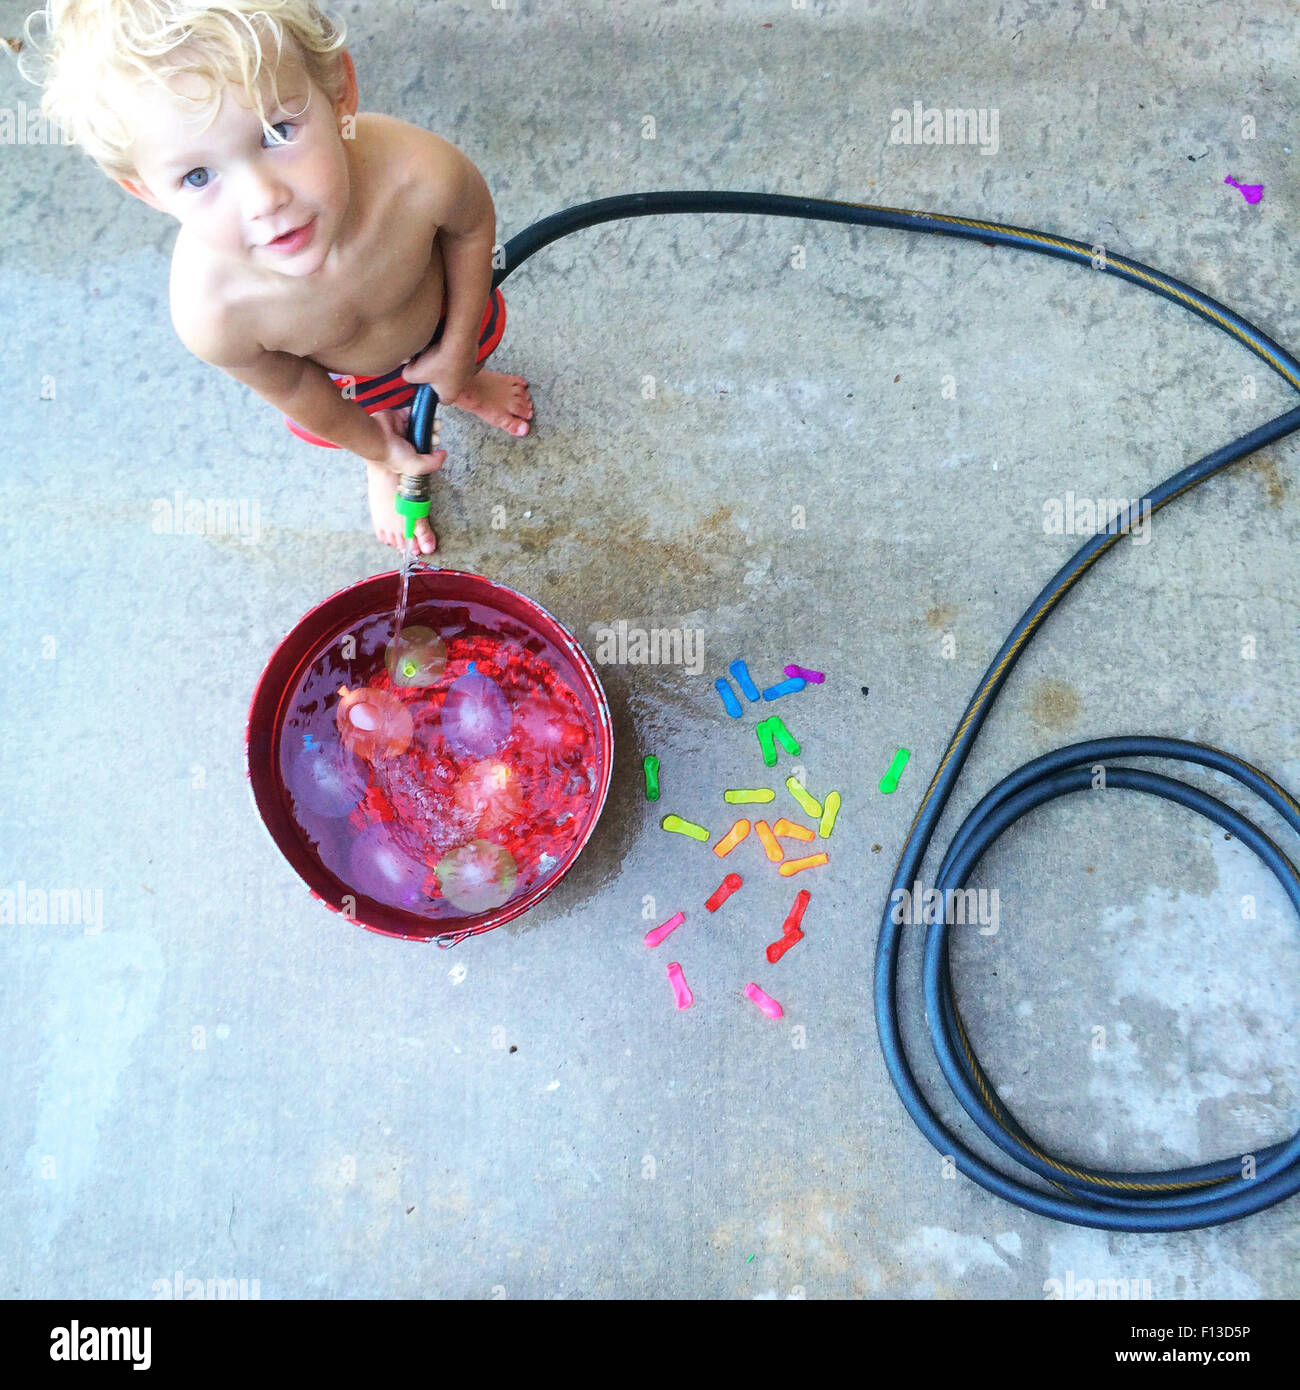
(328, 260)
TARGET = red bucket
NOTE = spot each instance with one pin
(546, 658)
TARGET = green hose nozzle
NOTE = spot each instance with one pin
(415, 491)
(412, 501)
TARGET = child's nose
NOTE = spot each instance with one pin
(264, 194)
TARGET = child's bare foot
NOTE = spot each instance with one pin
(382, 484)
(499, 400)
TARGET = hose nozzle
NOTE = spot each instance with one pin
(414, 491)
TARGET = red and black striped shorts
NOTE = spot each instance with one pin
(392, 391)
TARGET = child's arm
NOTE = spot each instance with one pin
(461, 208)
(304, 391)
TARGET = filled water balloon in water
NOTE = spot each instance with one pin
(416, 657)
(373, 723)
(475, 715)
(384, 867)
(548, 725)
(329, 781)
(478, 876)
(490, 791)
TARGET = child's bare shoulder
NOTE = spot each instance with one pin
(207, 308)
(426, 171)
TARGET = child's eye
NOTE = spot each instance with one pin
(196, 178)
(283, 129)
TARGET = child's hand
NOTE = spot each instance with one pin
(447, 372)
(400, 455)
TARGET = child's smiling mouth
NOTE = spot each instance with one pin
(293, 241)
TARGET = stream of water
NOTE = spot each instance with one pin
(399, 616)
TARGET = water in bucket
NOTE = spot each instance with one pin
(444, 769)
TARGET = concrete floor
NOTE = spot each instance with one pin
(228, 1081)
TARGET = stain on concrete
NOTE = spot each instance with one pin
(1265, 466)
(941, 618)
(101, 994)
(806, 1239)
(1053, 704)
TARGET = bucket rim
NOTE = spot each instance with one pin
(273, 692)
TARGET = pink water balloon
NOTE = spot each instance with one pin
(545, 723)
(490, 792)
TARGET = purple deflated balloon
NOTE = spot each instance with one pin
(327, 780)
(475, 715)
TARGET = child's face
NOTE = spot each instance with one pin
(276, 207)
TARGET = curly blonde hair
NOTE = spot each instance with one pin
(88, 44)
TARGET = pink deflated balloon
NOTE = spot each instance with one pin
(329, 781)
(382, 868)
(475, 715)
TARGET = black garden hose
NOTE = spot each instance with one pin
(1180, 1199)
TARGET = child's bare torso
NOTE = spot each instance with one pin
(376, 301)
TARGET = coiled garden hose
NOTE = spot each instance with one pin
(1175, 1200)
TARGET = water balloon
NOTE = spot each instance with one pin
(383, 867)
(374, 724)
(478, 876)
(547, 724)
(327, 780)
(490, 791)
(475, 715)
(416, 657)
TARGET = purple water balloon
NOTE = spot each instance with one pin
(475, 715)
(381, 867)
(327, 780)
